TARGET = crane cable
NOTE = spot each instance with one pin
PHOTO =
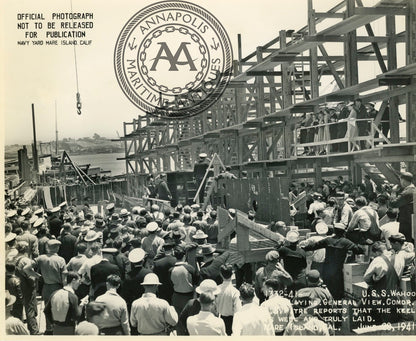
(78, 96)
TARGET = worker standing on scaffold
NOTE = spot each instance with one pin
(200, 168)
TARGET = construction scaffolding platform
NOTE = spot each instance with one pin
(255, 126)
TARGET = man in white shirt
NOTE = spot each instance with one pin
(391, 227)
(280, 308)
(205, 322)
(85, 269)
(117, 321)
(316, 205)
(150, 314)
(228, 300)
(251, 319)
(403, 253)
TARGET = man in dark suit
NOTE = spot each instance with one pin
(68, 241)
(162, 188)
(55, 224)
(404, 202)
(362, 126)
(100, 272)
(131, 289)
(211, 266)
(161, 268)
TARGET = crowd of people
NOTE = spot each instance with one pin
(152, 271)
(341, 122)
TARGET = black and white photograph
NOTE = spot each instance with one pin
(208, 168)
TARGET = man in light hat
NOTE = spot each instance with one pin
(317, 256)
(52, 268)
(11, 251)
(150, 314)
(130, 290)
(403, 200)
(404, 253)
(152, 242)
(54, 223)
(193, 307)
(336, 248)
(294, 259)
(110, 208)
(200, 169)
(85, 270)
(103, 269)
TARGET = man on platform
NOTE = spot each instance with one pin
(404, 202)
(200, 169)
(162, 189)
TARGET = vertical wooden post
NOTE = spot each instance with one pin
(350, 50)
(35, 148)
(313, 52)
(411, 96)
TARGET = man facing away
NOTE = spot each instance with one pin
(117, 321)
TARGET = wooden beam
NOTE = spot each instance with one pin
(388, 172)
(331, 67)
(381, 10)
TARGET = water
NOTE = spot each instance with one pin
(107, 162)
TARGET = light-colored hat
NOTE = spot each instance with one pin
(53, 242)
(152, 226)
(110, 206)
(195, 206)
(91, 236)
(136, 255)
(199, 235)
(25, 211)
(38, 222)
(11, 214)
(10, 299)
(63, 204)
(55, 209)
(203, 155)
(39, 211)
(339, 226)
(151, 279)
(292, 236)
(10, 236)
(33, 218)
(321, 228)
(124, 213)
(208, 285)
(109, 250)
(272, 256)
(155, 207)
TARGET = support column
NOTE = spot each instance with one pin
(411, 97)
(286, 98)
(313, 52)
(350, 50)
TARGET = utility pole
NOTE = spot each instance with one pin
(56, 129)
(35, 150)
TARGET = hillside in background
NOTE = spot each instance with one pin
(86, 145)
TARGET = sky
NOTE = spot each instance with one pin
(45, 75)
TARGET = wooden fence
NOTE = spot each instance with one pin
(268, 195)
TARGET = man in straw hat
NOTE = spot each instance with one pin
(150, 314)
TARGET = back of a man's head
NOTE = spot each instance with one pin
(246, 292)
(392, 213)
(226, 271)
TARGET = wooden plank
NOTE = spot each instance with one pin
(243, 243)
(390, 175)
(255, 256)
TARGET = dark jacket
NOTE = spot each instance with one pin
(163, 191)
(131, 289)
(67, 248)
(99, 274)
(161, 268)
(212, 268)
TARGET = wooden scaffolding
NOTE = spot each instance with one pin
(254, 126)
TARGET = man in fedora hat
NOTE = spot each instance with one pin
(14, 326)
(150, 314)
(152, 242)
(211, 266)
(403, 200)
(130, 290)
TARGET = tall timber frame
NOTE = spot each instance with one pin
(252, 127)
